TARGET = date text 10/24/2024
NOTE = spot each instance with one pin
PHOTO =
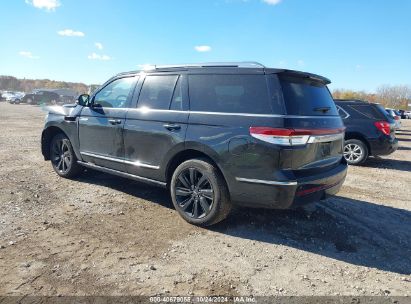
(202, 299)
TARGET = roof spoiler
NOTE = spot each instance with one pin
(303, 75)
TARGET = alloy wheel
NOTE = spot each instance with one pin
(194, 193)
(353, 152)
(61, 156)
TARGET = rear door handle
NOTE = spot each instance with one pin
(172, 127)
(114, 121)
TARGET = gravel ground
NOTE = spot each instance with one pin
(104, 235)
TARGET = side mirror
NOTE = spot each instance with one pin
(83, 100)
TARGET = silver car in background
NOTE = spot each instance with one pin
(396, 116)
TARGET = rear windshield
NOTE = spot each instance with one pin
(307, 97)
(230, 94)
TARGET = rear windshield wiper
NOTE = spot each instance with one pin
(322, 109)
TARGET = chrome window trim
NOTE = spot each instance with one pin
(339, 108)
(122, 161)
(265, 182)
(147, 110)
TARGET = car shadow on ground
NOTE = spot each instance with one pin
(353, 231)
(140, 190)
(404, 148)
(385, 163)
(403, 133)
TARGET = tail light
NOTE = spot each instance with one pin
(383, 126)
(295, 137)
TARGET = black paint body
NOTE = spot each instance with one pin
(224, 138)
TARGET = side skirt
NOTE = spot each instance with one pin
(122, 174)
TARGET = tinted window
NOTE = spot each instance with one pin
(368, 111)
(177, 102)
(157, 91)
(229, 93)
(307, 97)
(115, 94)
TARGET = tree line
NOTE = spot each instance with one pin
(11, 83)
(396, 97)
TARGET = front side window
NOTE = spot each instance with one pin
(157, 91)
(230, 94)
(115, 94)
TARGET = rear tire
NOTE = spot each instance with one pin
(355, 152)
(199, 193)
(63, 159)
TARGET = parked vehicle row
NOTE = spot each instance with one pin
(38, 97)
(12, 97)
(405, 114)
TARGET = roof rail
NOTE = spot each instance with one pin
(244, 64)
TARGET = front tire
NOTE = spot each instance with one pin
(63, 158)
(199, 193)
(355, 152)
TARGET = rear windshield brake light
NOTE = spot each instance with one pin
(294, 137)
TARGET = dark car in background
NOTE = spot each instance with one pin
(370, 130)
(41, 97)
(214, 134)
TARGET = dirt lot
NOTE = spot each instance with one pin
(104, 235)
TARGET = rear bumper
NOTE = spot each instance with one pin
(289, 194)
(384, 145)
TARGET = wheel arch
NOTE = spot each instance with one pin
(46, 137)
(358, 136)
(185, 155)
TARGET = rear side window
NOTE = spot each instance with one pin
(157, 91)
(230, 94)
(368, 111)
(307, 97)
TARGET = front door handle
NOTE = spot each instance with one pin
(114, 121)
(172, 127)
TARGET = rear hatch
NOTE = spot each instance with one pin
(312, 114)
(387, 117)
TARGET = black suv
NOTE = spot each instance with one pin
(214, 134)
(40, 96)
(370, 130)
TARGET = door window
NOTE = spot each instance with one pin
(157, 91)
(115, 94)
